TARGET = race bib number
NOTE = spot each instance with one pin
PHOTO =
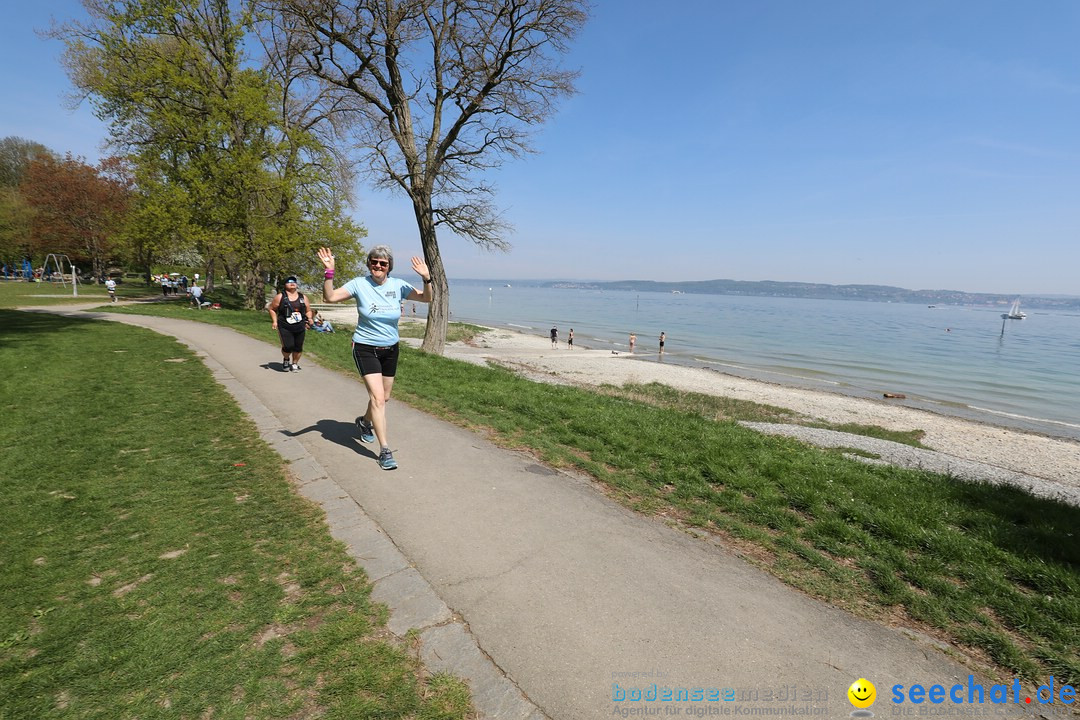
(294, 318)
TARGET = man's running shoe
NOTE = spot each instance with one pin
(295, 368)
(367, 430)
(386, 460)
(285, 365)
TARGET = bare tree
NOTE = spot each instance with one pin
(433, 93)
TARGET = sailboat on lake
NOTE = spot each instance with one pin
(1015, 313)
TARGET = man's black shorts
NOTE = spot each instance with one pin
(370, 359)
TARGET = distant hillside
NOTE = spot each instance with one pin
(874, 293)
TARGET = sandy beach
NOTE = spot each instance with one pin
(1052, 459)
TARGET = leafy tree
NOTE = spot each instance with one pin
(157, 225)
(77, 209)
(15, 216)
(16, 154)
(206, 127)
(435, 92)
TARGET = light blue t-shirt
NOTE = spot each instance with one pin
(378, 309)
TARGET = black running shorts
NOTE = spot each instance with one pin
(370, 359)
(292, 341)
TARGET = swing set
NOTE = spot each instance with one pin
(55, 258)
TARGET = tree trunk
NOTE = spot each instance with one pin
(98, 263)
(439, 310)
(255, 288)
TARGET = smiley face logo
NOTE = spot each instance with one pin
(862, 693)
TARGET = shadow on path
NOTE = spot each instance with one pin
(275, 366)
(336, 431)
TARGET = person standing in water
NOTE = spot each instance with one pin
(663, 337)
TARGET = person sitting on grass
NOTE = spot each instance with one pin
(321, 324)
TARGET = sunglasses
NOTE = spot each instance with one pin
(379, 263)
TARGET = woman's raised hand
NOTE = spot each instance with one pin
(327, 258)
(420, 267)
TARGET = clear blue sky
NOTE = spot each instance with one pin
(925, 144)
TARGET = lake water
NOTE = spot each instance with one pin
(952, 360)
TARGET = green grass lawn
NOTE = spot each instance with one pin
(990, 568)
(155, 561)
(15, 294)
(724, 408)
(456, 332)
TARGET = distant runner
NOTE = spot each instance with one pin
(290, 315)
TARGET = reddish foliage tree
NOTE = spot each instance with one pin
(78, 208)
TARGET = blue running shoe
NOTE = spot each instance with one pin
(386, 460)
(367, 430)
